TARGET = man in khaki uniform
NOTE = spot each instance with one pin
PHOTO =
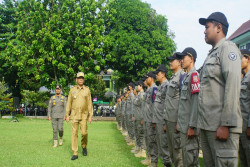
(158, 115)
(171, 110)
(79, 110)
(151, 132)
(56, 113)
(245, 106)
(219, 116)
(187, 112)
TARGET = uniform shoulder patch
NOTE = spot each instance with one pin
(195, 83)
(232, 56)
(154, 94)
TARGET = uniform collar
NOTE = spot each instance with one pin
(248, 73)
(191, 71)
(218, 44)
(164, 82)
(79, 87)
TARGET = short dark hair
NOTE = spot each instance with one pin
(224, 28)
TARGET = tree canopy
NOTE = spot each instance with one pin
(46, 42)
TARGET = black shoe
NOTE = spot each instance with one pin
(167, 165)
(74, 157)
(84, 151)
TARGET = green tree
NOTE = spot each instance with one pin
(8, 28)
(57, 38)
(4, 95)
(97, 87)
(33, 98)
(140, 39)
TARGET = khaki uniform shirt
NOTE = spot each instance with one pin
(123, 107)
(219, 97)
(138, 100)
(149, 104)
(158, 105)
(79, 104)
(187, 112)
(144, 108)
(173, 96)
(57, 107)
(129, 107)
(245, 100)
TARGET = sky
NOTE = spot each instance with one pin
(183, 16)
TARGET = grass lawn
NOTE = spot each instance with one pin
(29, 143)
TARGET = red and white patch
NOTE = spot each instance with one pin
(195, 83)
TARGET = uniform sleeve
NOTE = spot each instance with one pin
(231, 71)
(69, 103)
(195, 88)
(194, 111)
(50, 107)
(90, 106)
(65, 105)
(248, 125)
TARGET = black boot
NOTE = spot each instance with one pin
(74, 157)
(84, 151)
(167, 165)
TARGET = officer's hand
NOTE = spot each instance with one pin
(164, 128)
(141, 122)
(190, 133)
(67, 119)
(90, 120)
(176, 129)
(153, 124)
(222, 133)
(49, 118)
(133, 119)
(248, 132)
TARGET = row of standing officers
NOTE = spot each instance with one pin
(207, 109)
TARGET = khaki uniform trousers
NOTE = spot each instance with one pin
(219, 153)
(57, 125)
(244, 150)
(174, 144)
(84, 134)
(190, 150)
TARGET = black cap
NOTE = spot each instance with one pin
(143, 79)
(151, 74)
(188, 51)
(245, 52)
(58, 87)
(140, 83)
(161, 68)
(132, 85)
(173, 57)
(216, 16)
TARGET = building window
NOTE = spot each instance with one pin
(248, 46)
(107, 84)
(242, 47)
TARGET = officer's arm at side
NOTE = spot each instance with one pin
(69, 103)
(90, 106)
(49, 108)
(231, 71)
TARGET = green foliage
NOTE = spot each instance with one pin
(97, 86)
(4, 96)
(140, 39)
(57, 39)
(35, 98)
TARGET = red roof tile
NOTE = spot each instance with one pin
(241, 30)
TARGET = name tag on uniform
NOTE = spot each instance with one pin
(173, 82)
(185, 83)
(244, 83)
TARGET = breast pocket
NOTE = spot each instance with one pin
(184, 92)
(171, 90)
(158, 96)
(210, 68)
(243, 92)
